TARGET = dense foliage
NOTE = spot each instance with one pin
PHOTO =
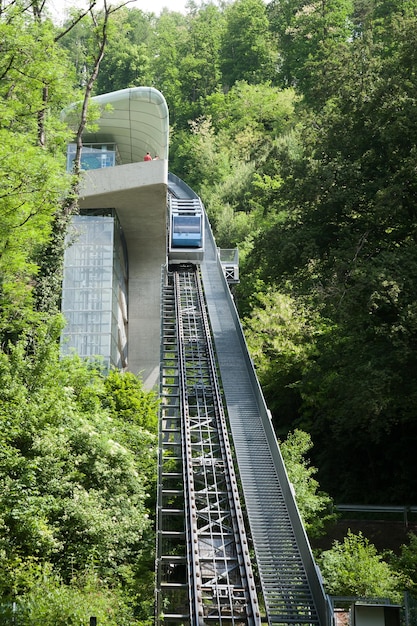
(296, 122)
(314, 505)
(354, 568)
(340, 242)
(78, 447)
(77, 472)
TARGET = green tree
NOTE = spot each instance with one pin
(128, 401)
(33, 89)
(406, 564)
(75, 486)
(310, 36)
(165, 64)
(354, 568)
(76, 478)
(199, 60)
(251, 117)
(281, 16)
(198, 155)
(32, 187)
(314, 505)
(247, 51)
(126, 62)
(281, 333)
(43, 598)
(342, 235)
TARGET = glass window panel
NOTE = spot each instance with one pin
(94, 298)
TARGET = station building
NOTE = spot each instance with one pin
(117, 244)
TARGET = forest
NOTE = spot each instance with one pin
(296, 123)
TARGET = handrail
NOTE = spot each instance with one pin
(378, 508)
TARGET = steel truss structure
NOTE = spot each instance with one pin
(204, 572)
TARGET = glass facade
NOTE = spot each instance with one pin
(94, 293)
(94, 156)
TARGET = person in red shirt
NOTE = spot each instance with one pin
(147, 157)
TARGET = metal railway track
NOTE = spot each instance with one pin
(292, 589)
(204, 572)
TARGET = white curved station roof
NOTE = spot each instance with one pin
(136, 119)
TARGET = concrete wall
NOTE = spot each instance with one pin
(138, 192)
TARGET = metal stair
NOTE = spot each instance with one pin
(291, 585)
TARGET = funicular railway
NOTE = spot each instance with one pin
(231, 547)
(216, 439)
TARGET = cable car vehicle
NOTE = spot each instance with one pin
(186, 230)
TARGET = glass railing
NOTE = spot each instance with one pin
(229, 259)
(94, 156)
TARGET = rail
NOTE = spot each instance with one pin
(403, 510)
(213, 581)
